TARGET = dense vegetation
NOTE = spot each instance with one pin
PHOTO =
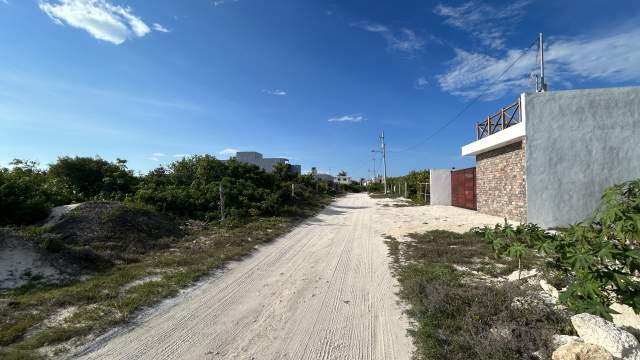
(396, 185)
(187, 188)
(598, 259)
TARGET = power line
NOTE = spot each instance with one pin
(445, 125)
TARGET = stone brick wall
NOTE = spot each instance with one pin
(501, 182)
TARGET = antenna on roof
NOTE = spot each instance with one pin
(541, 86)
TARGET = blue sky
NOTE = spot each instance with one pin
(314, 81)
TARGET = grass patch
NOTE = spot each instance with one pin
(456, 316)
(108, 298)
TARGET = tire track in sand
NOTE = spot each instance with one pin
(323, 291)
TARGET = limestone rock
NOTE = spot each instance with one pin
(596, 330)
(626, 317)
(522, 274)
(576, 350)
(549, 289)
(560, 340)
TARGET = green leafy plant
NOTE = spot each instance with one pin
(600, 255)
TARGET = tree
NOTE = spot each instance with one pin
(86, 178)
(342, 173)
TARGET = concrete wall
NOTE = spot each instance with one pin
(578, 143)
(440, 180)
(501, 188)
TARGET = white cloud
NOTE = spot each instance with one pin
(421, 83)
(158, 27)
(607, 58)
(348, 118)
(158, 154)
(222, 2)
(181, 155)
(276, 92)
(228, 151)
(101, 19)
(154, 159)
(487, 23)
(404, 40)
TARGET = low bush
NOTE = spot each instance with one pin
(459, 317)
(598, 257)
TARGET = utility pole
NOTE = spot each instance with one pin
(384, 159)
(542, 84)
(373, 158)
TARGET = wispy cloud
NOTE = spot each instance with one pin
(152, 158)
(348, 118)
(404, 40)
(421, 83)
(276, 92)
(158, 154)
(489, 24)
(604, 57)
(181, 155)
(228, 151)
(158, 27)
(4, 1)
(101, 19)
(222, 2)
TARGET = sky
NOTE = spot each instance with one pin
(312, 81)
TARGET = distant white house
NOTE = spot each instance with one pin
(321, 176)
(266, 164)
(343, 179)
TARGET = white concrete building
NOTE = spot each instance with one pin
(266, 164)
(343, 179)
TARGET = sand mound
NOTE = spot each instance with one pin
(114, 226)
(22, 261)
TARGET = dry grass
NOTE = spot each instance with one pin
(457, 316)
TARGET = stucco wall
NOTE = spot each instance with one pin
(440, 180)
(578, 143)
(501, 188)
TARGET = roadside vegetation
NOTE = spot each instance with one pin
(597, 260)
(134, 240)
(460, 309)
(396, 187)
(463, 306)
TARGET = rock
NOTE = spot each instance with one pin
(549, 289)
(501, 333)
(522, 274)
(560, 340)
(626, 317)
(576, 350)
(598, 331)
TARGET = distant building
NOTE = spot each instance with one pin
(266, 164)
(321, 176)
(343, 179)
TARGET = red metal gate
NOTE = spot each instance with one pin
(463, 188)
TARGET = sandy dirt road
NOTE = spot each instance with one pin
(323, 291)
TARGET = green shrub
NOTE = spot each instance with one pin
(24, 198)
(599, 256)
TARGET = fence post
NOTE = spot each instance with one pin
(221, 203)
(405, 190)
(293, 190)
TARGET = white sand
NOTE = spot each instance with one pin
(323, 291)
